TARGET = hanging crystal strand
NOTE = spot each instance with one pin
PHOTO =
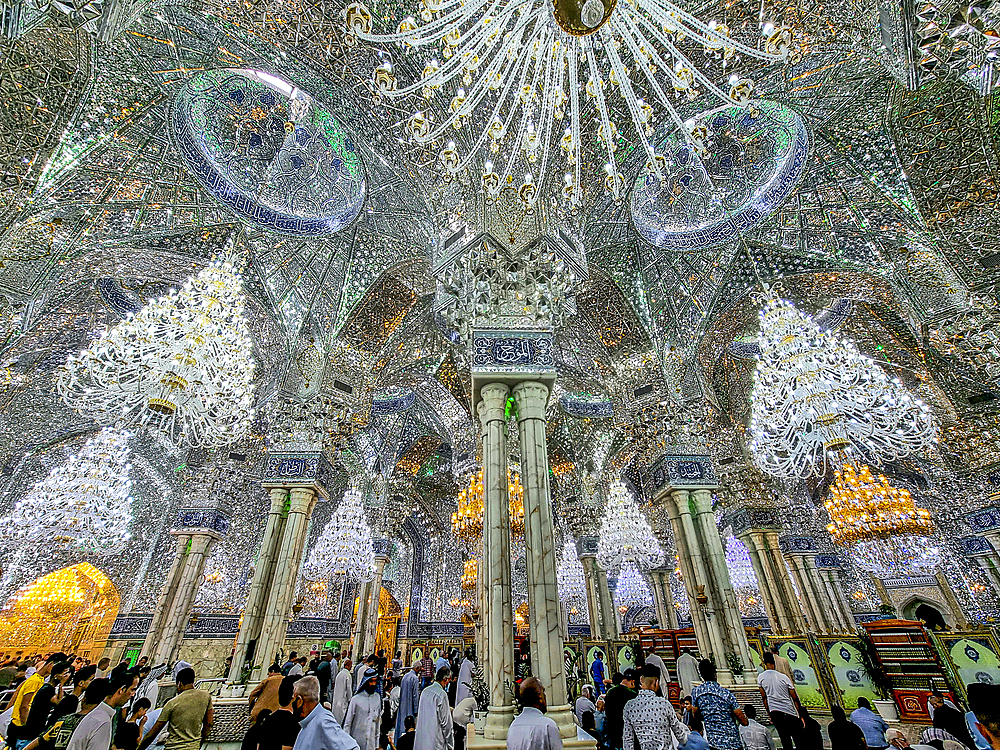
(595, 88)
(574, 100)
(625, 85)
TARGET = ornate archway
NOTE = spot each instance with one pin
(70, 610)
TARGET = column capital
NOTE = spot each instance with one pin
(531, 398)
(493, 405)
(298, 469)
(798, 545)
(210, 521)
(586, 546)
(302, 499)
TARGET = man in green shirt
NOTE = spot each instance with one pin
(188, 716)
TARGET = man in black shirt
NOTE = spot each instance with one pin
(280, 729)
(45, 701)
(405, 741)
(621, 693)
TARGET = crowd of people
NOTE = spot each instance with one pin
(62, 702)
(337, 704)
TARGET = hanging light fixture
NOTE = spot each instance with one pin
(467, 521)
(521, 84)
(85, 504)
(625, 533)
(631, 590)
(182, 364)
(569, 575)
(881, 525)
(470, 574)
(345, 546)
(815, 394)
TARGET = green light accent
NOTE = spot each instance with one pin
(510, 408)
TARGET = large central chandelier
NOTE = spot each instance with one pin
(467, 521)
(625, 533)
(86, 504)
(521, 83)
(183, 363)
(814, 393)
(882, 526)
(345, 546)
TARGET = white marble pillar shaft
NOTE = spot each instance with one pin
(544, 616)
(165, 602)
(286, 574)
(499, 656)
(733, 633)
(771, 607)
(783, 583)
(263, 573)
(187, 591)
(818, 619)
(692, 567)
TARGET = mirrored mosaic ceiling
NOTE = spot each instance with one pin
(139, 140)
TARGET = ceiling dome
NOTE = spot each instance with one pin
(755, 157)
(269, 151)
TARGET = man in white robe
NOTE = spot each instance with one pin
(687, 672)
(409, 697)
(364, 713)
(342, 692)
(320, 730)
(435, 725)
(532, 729)
(656, 661)
(465, 677)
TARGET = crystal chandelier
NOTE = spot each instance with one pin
(86, 504)
(467, 521)
(741, 572)
(345, 546)
(815, 393)
(470, 572)
(183, 363)
(569, 575)
(886, 532)
(625, 533)
(631, 589)
(520, 83)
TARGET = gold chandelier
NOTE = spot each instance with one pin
(884, 530)
(467, 521)
(862, 507)
(470, 574)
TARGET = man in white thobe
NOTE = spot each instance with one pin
(342, 692)
(435, 726)
(364, 713)
(409, 697)
(320, 730)
(465, 677)
(687, 672)
(532, 729)
(655, 660)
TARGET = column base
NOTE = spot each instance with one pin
(563, 717)
(498, 719)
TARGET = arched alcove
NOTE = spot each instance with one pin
(71, 609)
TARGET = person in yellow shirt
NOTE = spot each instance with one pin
(23, 698)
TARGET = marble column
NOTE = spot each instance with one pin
(368, 627)
(544, 615)
(780, 603)
(600, 606)
(165, 602)
(499, 615)
(197, 550)
(286, 572)
(734, 635)
(693, 569)
(663, 598)
(816, 612)
(840, 613)
(263, 573)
